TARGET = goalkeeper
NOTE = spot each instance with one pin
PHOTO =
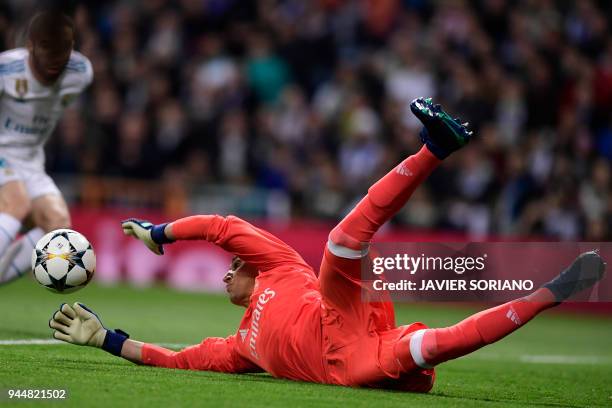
(303, 327)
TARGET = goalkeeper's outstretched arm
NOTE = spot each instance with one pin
(77, 324)
(255, 246)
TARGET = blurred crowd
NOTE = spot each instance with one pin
(311, 98)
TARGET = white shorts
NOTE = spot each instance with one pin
(30, 170)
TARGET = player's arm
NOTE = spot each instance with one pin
(253, 245)
(79, 325)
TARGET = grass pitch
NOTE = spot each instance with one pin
(556, 360)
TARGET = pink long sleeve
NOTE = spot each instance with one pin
(212, 354)
(253, 245)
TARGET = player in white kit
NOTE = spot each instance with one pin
(36, 84)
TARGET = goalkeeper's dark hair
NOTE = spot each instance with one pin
(49, 24)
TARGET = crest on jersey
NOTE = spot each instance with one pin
(67, 99)
(21, 87)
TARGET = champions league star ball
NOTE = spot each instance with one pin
(63, 261)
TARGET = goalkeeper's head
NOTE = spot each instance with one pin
(240, 282)
(50, 42)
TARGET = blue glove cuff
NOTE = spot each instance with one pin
(113, 342)
(158, 235)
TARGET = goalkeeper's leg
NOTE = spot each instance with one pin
(441, 135)
(429, 347)
(340, 273)
(384, 199)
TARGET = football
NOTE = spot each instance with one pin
(63, 261)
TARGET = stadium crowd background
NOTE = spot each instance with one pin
(309, 100)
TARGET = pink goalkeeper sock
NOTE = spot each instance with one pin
(384, 199)
(479, 330)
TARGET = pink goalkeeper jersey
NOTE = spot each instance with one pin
(281, 329)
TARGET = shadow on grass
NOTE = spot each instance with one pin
(266, 378)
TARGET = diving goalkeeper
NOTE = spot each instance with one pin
(302, 327)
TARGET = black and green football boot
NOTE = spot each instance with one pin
(441, 133)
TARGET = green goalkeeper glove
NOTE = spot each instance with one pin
(79, 325)
(144, 230)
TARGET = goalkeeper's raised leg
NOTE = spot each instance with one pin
(441, 136)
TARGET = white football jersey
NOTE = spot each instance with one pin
(29, 110)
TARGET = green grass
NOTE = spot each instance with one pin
(495, 376)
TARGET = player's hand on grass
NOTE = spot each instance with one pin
(141, 230)
(77, 324)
